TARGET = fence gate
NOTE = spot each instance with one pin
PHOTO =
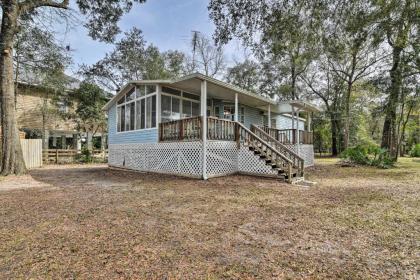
(32, 152)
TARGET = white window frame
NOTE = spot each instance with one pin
(135, 108)
(181, 99)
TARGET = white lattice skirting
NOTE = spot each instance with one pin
(305, 151)
(186, 158)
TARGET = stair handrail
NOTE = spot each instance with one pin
(264, 142)
(283, 149)
(283, 158)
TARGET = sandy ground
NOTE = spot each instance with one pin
(92, 222)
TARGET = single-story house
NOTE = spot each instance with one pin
(198, 126)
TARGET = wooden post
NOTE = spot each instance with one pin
(237, 136)
(290, 173)
(269, 115)
(204, 125)
(56, 156)
(236, 108)
(181, 130)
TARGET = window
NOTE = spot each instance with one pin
(186, 109)
(132, 115)
(140, 91)
(176, 110)
(171, 91)
(151, 111)
(150, 89)
(191, 96)
(229, 113)
(62, 107)
(122, 100)
(121, 118)
(217, 111)
(137, 109)
(242, 115)
(140, 117)
(195, 108)
(130, 95)
(176, 104)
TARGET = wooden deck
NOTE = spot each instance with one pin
(268, 145)
(190, 129)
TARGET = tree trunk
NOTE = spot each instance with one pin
(346, 134)
(12, 157)
(334, 135)
(389, 137)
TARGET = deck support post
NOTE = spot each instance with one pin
(297, 133)
(203, 104)
(269, 115)
(293, 140)
(309, 117)
(236, 107)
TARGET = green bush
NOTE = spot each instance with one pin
(86, 156)
(371, 155)
(415, 150)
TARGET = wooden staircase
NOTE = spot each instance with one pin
(286, 163)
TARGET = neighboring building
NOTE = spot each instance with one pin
(36, 110)
(198, 126)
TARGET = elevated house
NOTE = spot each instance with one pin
(198, 126)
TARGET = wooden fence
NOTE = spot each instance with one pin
(58, 156)
(32, 152)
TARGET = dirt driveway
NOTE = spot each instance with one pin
(93, 222)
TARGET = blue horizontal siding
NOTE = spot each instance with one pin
(285, 122)
(252, 116)
(136, 136)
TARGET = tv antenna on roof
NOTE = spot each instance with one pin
(194, 42)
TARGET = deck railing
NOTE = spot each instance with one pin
(289, 136)
(191, 129)
(221, 129)
(298, 162)
(188, 129)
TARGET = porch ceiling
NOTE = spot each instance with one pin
(223, 91)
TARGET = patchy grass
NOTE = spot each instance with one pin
(98, 223)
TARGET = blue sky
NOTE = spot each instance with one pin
(165, 23)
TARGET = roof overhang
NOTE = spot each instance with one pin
(220, 90)
(288, 107)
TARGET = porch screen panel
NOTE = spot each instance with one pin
(143, 113)
(127, 117)
(176, 111)
(151, 111)
(195, 108)
(122, 118)
(186, 109)
(137, 109)
(118, 119)
(166, 108)
(132, 115)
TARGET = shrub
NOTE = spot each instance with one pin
(86, 156)
(415, 150)
(371, 155)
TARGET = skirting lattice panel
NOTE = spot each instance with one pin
(249, 163)
(181, 158)
(186, 158)
(222, 158)
(305, 151)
